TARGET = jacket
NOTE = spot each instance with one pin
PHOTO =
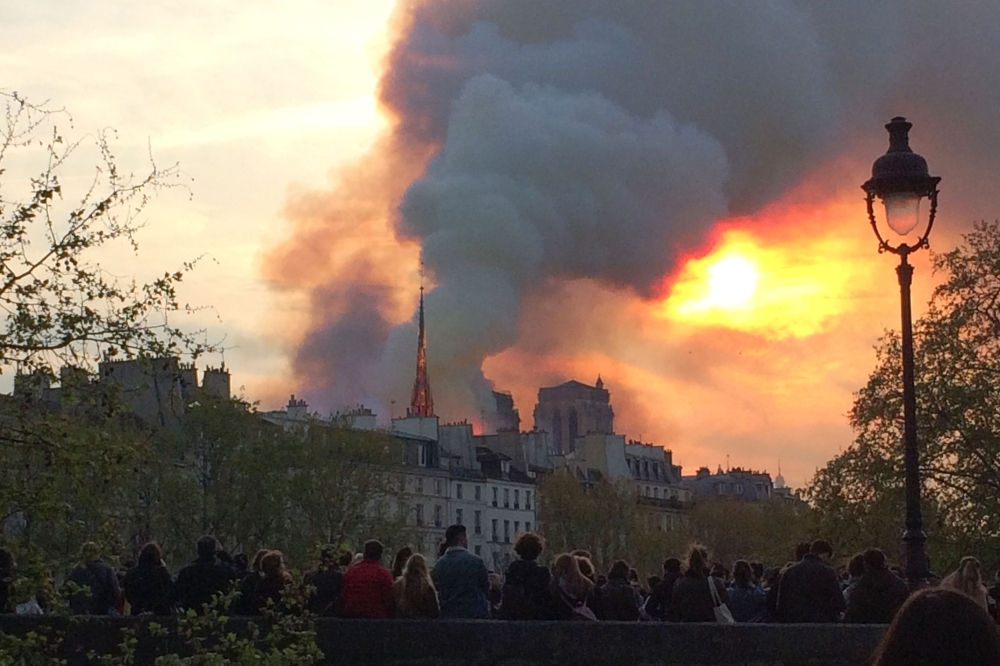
(463, 585)
(618, 601)
(327, 596)
(104, 592)
(368, 590)
(659, 605)
(747, 604)
(876, 597)
(693, 600)
(809, 591)
(525, 591)
(149, 589)
(199, 581)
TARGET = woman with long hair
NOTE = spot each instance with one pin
(968, 579)
(747, 598)
(398, 562)
(572, 593)
(692, 598)
(414, 591)
(148, 586)
(939, 626)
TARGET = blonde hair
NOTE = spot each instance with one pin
(968, 579)
(567, 568)
(89, 552)
(416, 580)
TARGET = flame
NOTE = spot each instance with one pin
(787, 272)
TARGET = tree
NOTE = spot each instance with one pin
(59, 305)
(859, 494)
(764, 531)
(605, 519)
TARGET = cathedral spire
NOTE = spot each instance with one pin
(422, 403)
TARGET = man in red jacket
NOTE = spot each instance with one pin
(368, 586)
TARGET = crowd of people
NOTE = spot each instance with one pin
(458, 585)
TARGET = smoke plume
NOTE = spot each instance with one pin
(540, 142)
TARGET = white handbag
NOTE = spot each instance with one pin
(722, 614)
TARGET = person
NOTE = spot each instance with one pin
(619, 600)
(878, 595)
(7, 568)
(747, 600)
(345, 560)
(855, 570)
(368, 585)
(326, 584)
(809, 591)
(968, 580)
(692, 598)
(658, 605)
(148, 586)
(413, 592)
(939, 626)
(587, 568)
(398, 562)
(204, 579)
(93, 584)
(274, 580)
(461, 579)
(524, 595)
(571, 594)
(247, 592)
(241, 565)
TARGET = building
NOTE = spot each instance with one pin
(742, 484)
(573, 409)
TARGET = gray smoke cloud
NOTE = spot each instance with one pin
(602, 138)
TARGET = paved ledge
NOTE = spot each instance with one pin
(486, 643)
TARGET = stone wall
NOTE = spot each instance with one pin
(485, 643)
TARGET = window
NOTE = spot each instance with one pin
(517, 527)
(506, 531)
(649, 493)
(478, 518)
(422, 454)
(527, 500)
(438, 487)
(496, 494)
(402, 484)
(420, 484)
(479, 494)
(420, 514)
(496, 533)
(656, 493)
(739, 488)
(506, 498)
(527, 526)
(479, 551)
(517, 498)
(437, 515)
(458, 491)
(458, 516)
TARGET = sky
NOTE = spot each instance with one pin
(582, 204)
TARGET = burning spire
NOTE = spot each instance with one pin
(422, 403)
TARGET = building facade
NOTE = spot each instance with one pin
(574, 409)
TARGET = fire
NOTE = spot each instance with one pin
(787, 273)
(728, 283)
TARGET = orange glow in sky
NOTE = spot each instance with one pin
(786, 273)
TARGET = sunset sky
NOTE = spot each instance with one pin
(740, 333)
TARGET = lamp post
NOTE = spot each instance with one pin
(901, 180)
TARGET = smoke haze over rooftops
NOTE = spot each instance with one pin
(535, 144)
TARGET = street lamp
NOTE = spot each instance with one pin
(900, 179)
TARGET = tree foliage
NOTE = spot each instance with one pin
(859, 494)
(59, 304)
